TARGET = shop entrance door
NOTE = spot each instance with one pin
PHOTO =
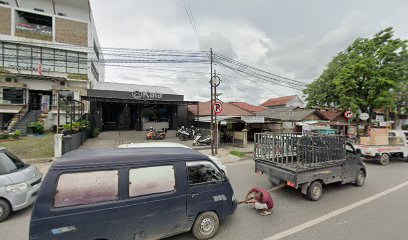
(39, 100)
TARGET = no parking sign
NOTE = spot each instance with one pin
(348, 114)
(217, 107)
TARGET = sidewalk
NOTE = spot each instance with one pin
(225, 156)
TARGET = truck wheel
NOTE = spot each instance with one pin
(360, 179)
(315, 191)
(384, 159)
(4, 210)
(206, 226)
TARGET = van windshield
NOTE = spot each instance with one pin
(9, 163)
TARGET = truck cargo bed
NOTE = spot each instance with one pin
(294, 152)
(299, 176)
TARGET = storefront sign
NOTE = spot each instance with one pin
(253, 119)
(146, 94)
(135, 95)
(27, 68)
(379, 118)
(27, 27)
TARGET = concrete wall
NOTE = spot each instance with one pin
(5, 20)
(71, 32)
(45, 5)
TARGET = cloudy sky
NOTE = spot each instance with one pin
(292, 38)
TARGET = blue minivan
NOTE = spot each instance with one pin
(131, 194)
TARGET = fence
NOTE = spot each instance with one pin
(295, 151)
(64, 144)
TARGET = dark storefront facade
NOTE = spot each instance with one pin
(136, 109)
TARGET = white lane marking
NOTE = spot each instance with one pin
(334, 213)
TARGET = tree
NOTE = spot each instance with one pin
(369, 74)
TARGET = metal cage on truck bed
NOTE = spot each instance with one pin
(296, 152)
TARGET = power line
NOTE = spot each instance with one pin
(253, 69)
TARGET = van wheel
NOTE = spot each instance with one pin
(315, 191)
(384, 159)
(206, 225)
(360, 179)
(4, 210)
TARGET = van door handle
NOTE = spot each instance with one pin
(194, 194)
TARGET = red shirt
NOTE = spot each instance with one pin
(266, 197)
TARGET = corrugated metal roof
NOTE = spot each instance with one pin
(126, 87)
(248, 107)
(228, 109)
(331, 115)
(287, 114)
(280, 101)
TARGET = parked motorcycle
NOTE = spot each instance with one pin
(154, 134)
(186, 133)
(202, 140)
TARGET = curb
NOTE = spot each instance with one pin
(38, 160)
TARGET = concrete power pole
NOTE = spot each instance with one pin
(212, 103)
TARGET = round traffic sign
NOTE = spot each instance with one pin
(215, 81)
(218, 107)
(348, 114)
(364, 116)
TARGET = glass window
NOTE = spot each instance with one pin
(151, 180)
(10, 55)
(86, 188)
(47, 59)
(13, 96)
(203, 172)
(9, 163)
(60, 61)
(24, 56)
(72, 62)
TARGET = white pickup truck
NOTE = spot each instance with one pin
(398, 149)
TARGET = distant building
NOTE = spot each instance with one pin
(45, 46)
(286, 101)
(121, 106)
(248, 107)
(292, 118)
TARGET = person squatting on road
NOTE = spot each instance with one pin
(263, 200)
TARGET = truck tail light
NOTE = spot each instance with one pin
(291, 184)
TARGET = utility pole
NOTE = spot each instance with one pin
(212, 103)
(215, 115)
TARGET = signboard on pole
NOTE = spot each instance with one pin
(217, 108)
(364, 116)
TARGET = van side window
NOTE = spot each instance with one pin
(86, 188)
(203, 172)
(151, 180)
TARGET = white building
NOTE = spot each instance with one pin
(45, 46)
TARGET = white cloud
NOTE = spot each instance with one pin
(298, 51)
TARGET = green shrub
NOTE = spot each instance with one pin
(4, 136)
(77, 126)
(16, 134)
(237, 153)
(36, 127)
(96, 132)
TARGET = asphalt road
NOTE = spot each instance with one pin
(344, 212)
